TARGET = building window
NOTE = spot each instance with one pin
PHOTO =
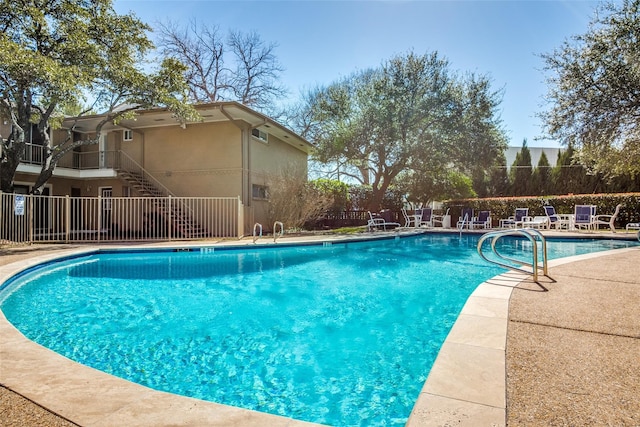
(127, 135)
(126, 191)
(261, 135)
(260, 191)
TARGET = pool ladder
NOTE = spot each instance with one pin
(257, 231)
(533, 236)
(275, 230)
(462, 223)
(257, 226)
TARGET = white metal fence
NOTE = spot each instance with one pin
(30, 218)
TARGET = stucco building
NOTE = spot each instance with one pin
(231, 153)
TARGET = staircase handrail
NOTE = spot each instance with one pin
(150, 178)
(126, 160)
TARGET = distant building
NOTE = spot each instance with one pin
(536, 152)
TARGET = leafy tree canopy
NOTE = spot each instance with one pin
(410, 114)
(594, 91)
(61, 53)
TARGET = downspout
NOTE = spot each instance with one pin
(245, 132)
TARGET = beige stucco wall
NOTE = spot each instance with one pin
(270, 161)
(275, 158)
(203, 160)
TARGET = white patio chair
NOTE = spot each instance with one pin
(556, 221)
(584, 216)
(375, 222)
(483, 220)
(409, 220)
(515, 220)
(439, 219)
(607, 219)
(426, 218)
(539, 222)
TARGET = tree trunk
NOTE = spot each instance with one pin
(7, 172)
(12, 150)
(46, 171)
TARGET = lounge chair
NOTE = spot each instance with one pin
(426, 217)
(556, 221)
(515, 220)
(383, 220)
(466, 216)
(584, 216)
(607, 219)
(632, 226)
(483, 220)
(439, 219)
(536, 222)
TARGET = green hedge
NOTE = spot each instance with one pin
(504, 207)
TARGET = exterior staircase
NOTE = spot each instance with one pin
(176, 214)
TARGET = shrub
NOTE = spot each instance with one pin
(295, 201)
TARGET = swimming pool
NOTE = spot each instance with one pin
(298, 323)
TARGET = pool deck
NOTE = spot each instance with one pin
(517, 355)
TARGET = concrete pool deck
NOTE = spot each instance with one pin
(568, 356)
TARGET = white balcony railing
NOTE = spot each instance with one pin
(34, 154)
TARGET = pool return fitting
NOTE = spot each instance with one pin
(533, 236)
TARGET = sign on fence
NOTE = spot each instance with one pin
(18, 207)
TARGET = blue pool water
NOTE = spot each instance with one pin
(343, 334)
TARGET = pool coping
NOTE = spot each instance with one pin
(466, 384)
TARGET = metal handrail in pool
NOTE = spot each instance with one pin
(275, 232)
(256, 226)
(530, 234)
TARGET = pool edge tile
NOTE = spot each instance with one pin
(479, 331)
(467, 382)
(436, 411)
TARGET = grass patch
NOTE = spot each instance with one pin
(348, 230)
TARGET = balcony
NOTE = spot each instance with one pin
(75, 164)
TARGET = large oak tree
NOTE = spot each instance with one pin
(412, 118)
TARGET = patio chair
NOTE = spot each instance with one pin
(539, 222)
(584, 216)
(409, 220)
(483, 220)
(439, 219)
(382, 220)
(556, 221)
(607, 219)
(466, 216)
(514, 220)
(632, 226)
(426, 217)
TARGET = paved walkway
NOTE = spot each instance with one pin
(571, 351)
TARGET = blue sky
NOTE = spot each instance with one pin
(321, 41)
